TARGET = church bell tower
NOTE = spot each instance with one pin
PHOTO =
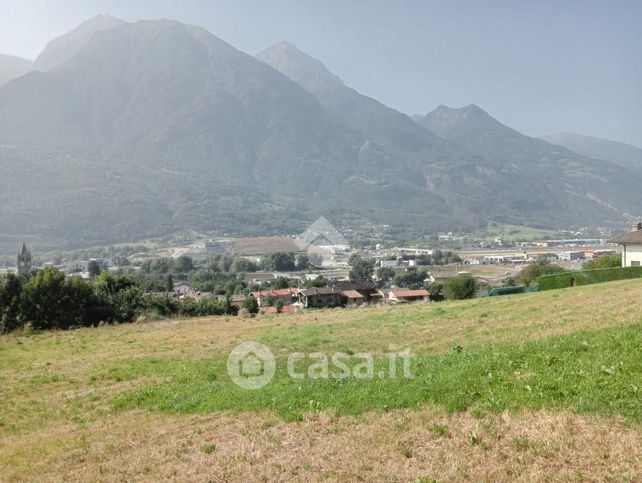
(24, 261)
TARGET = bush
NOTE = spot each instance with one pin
(459, 288)
(160, 305)
(531, 273)
(587, 277)
(251, 305)
(119, 298)
(607, 261)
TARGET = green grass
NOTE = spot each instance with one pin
(595, 371)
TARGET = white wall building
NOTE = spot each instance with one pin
(632, 246)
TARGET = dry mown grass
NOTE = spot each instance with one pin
(396, 446)
(57, 422)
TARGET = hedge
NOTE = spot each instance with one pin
(587, 277)
(511, 290)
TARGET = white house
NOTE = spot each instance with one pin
(632, 243)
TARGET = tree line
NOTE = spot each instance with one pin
(49, 300)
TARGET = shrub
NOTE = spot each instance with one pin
(251, 305)
(607, 261)
(279, 306)
(459, 288)
(531, 273)
(119, 299)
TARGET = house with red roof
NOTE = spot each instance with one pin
(403, 295)
(352, 298)
(266, 298)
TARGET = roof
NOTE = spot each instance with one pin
(318, 291)
(356, 285)
(352, 294)
(276, 293)
(400, 294)
(630, 237)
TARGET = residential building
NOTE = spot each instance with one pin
(320, 297)
(352, 298)
(366, 288)
(266, 298)
(632, 246)
(405, 295)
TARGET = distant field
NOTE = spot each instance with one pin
(516, 232)
(525, 387)
(261, 246)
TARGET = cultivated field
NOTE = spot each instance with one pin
(543, 386)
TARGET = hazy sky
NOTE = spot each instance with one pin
(541, 66)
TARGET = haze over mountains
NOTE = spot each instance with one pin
(12, 67)
(63, 48)
(619, 153)
(131, 130)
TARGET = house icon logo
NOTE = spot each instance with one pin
(322, 242)
(251, 365)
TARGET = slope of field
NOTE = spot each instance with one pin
(526, 387)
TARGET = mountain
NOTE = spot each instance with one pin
(481, 168)
(155, 127)
(473, 127)
(616, 152)
(549, 176)
(374, 120)
(63, 48)
(12, 67)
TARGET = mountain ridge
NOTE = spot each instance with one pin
(154, 127)
(12, 67)
(624, 154)
(64, 47)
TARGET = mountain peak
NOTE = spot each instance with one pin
(459, 114)
(63, 48)
(299, 66)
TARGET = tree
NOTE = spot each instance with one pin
(93, 268)
(605, 261)
(360, 268)
(161, 265)
(461, 287)
(244, 265)
(385, 275)
(10, 291)
(279, 261)
(436, 290)
(281, 282)
(317, 282)
(530, 273)
(183, 264)
(412, 279)
(303, 262)
(169, 283)
(251, 305)
(119, 297)
(48, 301)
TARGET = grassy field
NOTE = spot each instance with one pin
(543, 386)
